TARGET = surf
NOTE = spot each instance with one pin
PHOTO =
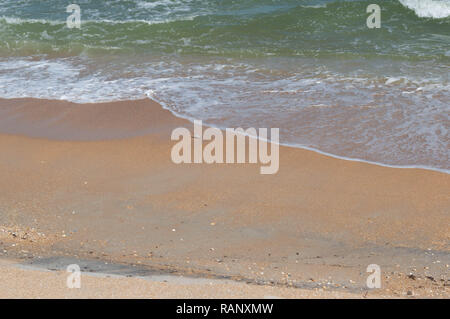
(312, 67)
(436, 9)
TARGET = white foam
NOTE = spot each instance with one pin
(15, 20)
(437, 9)
(354, 118)
(20, 21)
(152, 96)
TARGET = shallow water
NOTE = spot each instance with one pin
(312, 68)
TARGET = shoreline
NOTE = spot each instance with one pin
(205, 124)
(17, 278)
(98, 182)
(316, 150)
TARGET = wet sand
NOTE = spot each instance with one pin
(20, 282)
(96, 181)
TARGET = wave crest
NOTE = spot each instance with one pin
(436, 9)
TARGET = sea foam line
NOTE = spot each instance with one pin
(300, 146)
(18, 21)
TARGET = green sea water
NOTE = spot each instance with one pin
(310, 67)
(251, 28)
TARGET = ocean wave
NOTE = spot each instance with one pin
(19, 21)
(244, 29)
(22, 21)
(312, 67)
(167, 11)
(436, 9)
(392, 119)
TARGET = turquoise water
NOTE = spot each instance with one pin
(312, 68)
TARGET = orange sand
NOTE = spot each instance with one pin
(98, 182)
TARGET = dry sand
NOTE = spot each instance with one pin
(96, 181)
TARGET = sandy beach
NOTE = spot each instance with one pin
(16, 283)
(96, 182)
